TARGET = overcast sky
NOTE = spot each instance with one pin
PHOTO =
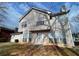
(16, 10)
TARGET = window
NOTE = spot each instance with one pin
(40, 23)
(41, 16)
(24, 39)
(24, 24)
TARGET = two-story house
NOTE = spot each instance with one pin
(39, 26)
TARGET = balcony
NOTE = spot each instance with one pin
(39, 28)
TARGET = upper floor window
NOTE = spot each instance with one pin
(24, 24)
(41, 17)
(40, 23)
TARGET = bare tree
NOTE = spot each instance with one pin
(76, 18)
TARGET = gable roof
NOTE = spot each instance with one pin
(51, 14)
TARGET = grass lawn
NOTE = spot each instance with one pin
(14, 49)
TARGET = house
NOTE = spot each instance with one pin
(39, 26)
(76, 38)
(5, 34)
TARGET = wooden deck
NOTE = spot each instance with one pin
(37, 31)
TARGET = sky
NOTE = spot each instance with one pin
(15, 10)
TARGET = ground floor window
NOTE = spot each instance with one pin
(24, 39)
(30, 39)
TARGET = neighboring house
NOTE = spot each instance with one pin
(5, 34)
(40, 26)
(76, 38)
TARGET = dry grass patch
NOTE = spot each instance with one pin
(32, 50)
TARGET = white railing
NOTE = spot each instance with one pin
(42, 27)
